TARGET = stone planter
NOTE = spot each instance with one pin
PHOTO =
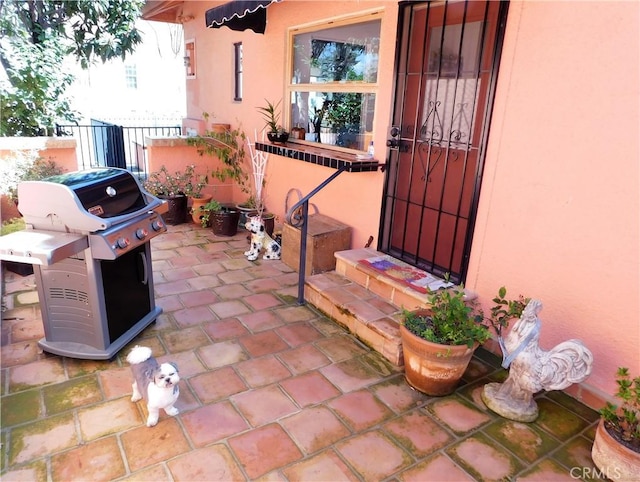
(225, 221)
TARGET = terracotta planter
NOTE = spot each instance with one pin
(432, 368)
(177, 213)
(225, 222)
(614, 460)
(196, 204)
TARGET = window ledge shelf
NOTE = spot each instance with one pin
(320, 156)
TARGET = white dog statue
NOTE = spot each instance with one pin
(260, 239)
(157, 384)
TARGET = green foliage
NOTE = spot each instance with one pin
(212, 206)
(271, 116)
(624, 420)
(35, 38)
(228, 146)
(24, 166)
(163, 183)
(451, 320)
(12, 225)
(504, 310)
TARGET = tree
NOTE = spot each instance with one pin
(35, 38)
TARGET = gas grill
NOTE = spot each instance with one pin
(88, 236)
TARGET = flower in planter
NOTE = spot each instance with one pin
(163, 183)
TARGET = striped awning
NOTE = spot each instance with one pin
(240, 15)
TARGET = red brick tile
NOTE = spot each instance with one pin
(42, 372)
(209, 463)
(41, 438)
(262, 301)
(324, 466)
(222, 354)
(264, 449)
(361, 450)
(99, 460)
(439, 468)
(299, 334)
(418, 433)
(185, 339)
(264, 405)
(315, 428)
(216, 385)
(349, 375)
(303, 359)
(211, 423)
(260, 321)
(262, 371)
(193, 316)
(458, 416)
(360, 409)
(228, 309)
(263, 343)
(309, 389)
(110, 417)
(197, 298)
(225, 329)
(146, 446)
(398, 395)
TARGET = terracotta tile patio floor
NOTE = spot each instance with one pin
(270, 390)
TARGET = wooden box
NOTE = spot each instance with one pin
(325, 236)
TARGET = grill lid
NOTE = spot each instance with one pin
(86, 201)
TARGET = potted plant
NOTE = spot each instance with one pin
(275, 132)
(199, 199)
(616, 446)
(223, 218)
(174, 188)
(438, 342)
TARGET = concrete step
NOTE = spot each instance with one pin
(367, 303)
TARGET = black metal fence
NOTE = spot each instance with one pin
(102, 144)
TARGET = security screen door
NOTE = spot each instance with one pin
(446, 67)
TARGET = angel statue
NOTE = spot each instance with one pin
(533, 369)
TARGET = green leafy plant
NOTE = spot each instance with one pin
(623, 421)
(164, 183)
(451, 320)
(24, 166)
(271, 116)
(505, 310)
(212, 206)
(228, 146)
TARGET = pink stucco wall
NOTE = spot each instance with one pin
(559, 214)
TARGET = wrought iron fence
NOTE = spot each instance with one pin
(103, 144)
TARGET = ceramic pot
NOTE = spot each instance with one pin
(196, 204)
(225, 221)
(177, 213)
(278, 137)
(615, 461)
(432, 368)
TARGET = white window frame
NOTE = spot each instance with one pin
(331, 87)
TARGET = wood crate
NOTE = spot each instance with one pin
(325, 236)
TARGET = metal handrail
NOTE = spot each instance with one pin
(299, 219)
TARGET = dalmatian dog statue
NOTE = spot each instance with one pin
(260, 239)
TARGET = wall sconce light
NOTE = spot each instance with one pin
(187, 61)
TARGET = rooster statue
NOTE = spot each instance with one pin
(533, 369)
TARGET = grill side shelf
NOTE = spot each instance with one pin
(41, 247)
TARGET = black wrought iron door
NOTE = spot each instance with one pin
(446, 67)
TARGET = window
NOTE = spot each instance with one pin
(333, 82)
(130, 77)
(190, 58)
(237, 68)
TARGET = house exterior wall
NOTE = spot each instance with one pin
(558, 216)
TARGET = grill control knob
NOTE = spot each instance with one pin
(141, 233)
(122, 243)
(157, 225)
